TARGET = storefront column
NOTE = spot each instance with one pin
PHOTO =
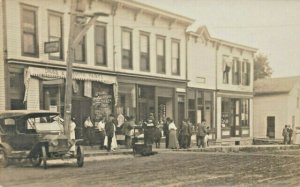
(218, 113)
(251, 117)
(33, 97)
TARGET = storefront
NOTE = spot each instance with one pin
(141, 96)
(201, 107)
(93, 94)
(235, 117)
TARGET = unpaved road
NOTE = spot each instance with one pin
(280, 168)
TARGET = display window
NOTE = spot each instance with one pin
(127, 99)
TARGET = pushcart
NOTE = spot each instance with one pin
(138, 143)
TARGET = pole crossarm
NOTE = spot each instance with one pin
(87, 26)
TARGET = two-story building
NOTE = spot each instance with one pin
(220, 87)
(131, 62)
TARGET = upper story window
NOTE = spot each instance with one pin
(226, 69)
(100, 45)
(126, 49)
(29, 31)
(236, 71)
(175, 58)
(55, 27)
(144, 52)
(160, 55)
(245, 73)
(80, 51)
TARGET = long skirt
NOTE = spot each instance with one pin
(173, 142)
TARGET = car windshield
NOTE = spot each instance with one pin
(45, 123)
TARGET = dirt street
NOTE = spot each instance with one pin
(279, 168)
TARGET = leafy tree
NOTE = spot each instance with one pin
(262, 68)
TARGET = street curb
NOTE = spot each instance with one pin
(108, 153)
(226, 149)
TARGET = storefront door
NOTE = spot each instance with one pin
(81, 108)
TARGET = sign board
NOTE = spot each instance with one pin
(52, 47)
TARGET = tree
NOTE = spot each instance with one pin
(262, 68)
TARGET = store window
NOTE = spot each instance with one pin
(175, 58)
(127, 99)
(236, 72)
(100, 45)
(17, 89)
(191, 96)
(80, 51)
(102, 101)
(144, 53)
(56, 33)
(160, 55)
(53, 95)
(245, 112)
(29, 31)
(146, 101)
(126, 49)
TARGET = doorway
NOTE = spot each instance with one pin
(271, 127)
(81, 108)
(165, 108)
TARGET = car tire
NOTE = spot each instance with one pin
(44, 157)
(3, 159)
(80, 156)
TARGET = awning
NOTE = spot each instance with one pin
(51, 74)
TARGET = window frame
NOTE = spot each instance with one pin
(236, 75)
(58, 14)
(103, 25)
(130, 52)
(175, 41)
(25, 7)
(143, 54)
(84, 51)
(163, 38)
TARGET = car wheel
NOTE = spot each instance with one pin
(3, 159)
(44, 157)
(80, 156)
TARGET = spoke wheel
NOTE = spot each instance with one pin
(44, 157)
(3, 159)
(80, 156)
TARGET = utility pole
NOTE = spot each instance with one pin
(76, 34)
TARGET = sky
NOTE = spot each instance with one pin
(271, 26)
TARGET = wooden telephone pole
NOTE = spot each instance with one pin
(76, 34)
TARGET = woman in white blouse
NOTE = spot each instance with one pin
(173, 142)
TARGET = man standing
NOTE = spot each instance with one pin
(109, 130)
(184, 133)
(285, 134)
(201, 133)
(290, 131)
(166, 132)
(127, 126)
(190, 128)
(89, 130)
(101, 128)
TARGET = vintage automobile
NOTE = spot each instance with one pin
(37, 136)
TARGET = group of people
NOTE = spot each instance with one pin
(106, 128)
(287, 134)
(184, 134)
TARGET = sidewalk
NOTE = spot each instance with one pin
(90, 151)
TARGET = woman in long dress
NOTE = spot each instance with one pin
(173, 142)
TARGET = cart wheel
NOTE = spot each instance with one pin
(80, 156)
(3, 159)
(44, 157)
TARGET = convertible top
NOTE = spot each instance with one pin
(28, 113)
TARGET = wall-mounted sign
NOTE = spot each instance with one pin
(52, 47)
